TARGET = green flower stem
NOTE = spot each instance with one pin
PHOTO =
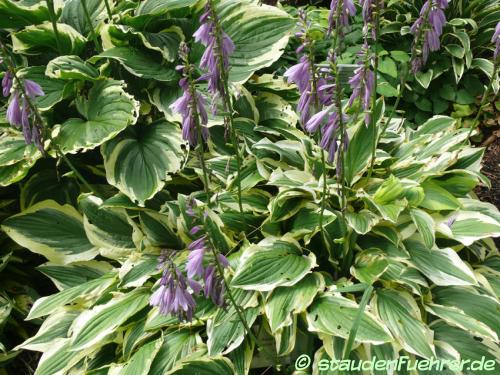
(228, 104)
(374, 94)
(91, 26)
(357, 321)
(40, 120)
(484, 100)
(108, 9)
(53, 20)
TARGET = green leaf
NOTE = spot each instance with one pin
(71, 67)
(284, 302)
(96, 324)
(363, 221)
(110, 230)
(401, 314)
(74, 15)
(259, 32)
(139, 161)
(388, 66)
(483, 64)
(334, 315)
(49, 304)
(67, 276)
(442, 266)
(435, 125)
(14, 149)
(469, 226)
(37, 39)
(456, 317)
(425, 225)
(52, 230)
(177, 344)
(437, 198)
(455, 50)
(206, 366)
(156, 7)
(144, 64)
(17, 14)
(424, 78)
(107, 111)
(225, 329)
(271, 263)
(141, 361)
(370, 265)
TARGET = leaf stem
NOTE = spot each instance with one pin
(108, 9)
(53, 20)
(91, 26)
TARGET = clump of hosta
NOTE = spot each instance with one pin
(175, 293)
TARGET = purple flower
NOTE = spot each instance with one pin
(348, 9)
(194, 266)
(300, 74)
(496, 39)
(192, 109)
(431, 22)
(368, 6)
(362, 84)
(215, 57)
(329, 122)
(14, 111)
(32, 88)
(173, 297)
(7, 83)
(214, 286)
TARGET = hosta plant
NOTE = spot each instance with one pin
(205, 208)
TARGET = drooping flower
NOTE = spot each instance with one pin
(7, 81)
(368, 8)
(215, 59)
(362, 84)
(348, 10)
(430, 22)
(300, 74)
(496, 39)
(214, 286)
(32, 88)
(194, 266)
(191, 105)
(173, 295)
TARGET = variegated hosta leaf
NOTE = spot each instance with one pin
(225, 329)
(363, 221)
(206, 366)
(73, 14)
(271, 263)
(37, 39)
(88, 290)
(67, 276)
(96, 324)
(470, 226)
(442, 266)
(370, 265)
(259, 32)
(109, 230)
(139, 161)
(425, 225)
(155, 7)
(71, 67)
(17, 14)
(52, 230)
(334, 315)
(144, 64)
(400, 313)
(177, 344)
(481, 307)
(141, 361)
(284, 302)
(107, 111)
(16, 158)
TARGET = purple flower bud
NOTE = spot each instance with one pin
(32, 88)
(315, 121)
(7, 83)
(496, 39)
(348, 10)
(14, 114)
(300, 74)
(362, 84)
(194, 266)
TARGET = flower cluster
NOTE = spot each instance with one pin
(19, 113)
(215, 59)
(175, 294)
(368, 8)
(348, 9)
(362, 83)
(430, 23)
(496, 39)
(191, 105)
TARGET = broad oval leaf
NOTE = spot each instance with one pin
(271, 263)
(334, 315)
(139, 161)
(71, 67)
(17, 14)
(52, 230)
(107, 111)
